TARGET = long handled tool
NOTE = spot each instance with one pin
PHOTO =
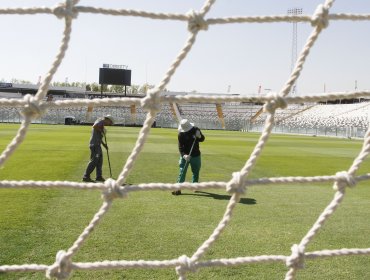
(110, 169)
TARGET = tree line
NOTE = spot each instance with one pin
(95, 87)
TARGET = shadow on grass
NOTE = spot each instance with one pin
(243, 200)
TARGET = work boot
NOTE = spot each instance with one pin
(100, 179)
(87, 179)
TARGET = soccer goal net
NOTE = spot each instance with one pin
(34, 106)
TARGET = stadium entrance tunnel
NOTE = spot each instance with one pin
(70, 120)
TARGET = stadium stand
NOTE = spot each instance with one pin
(334, 119)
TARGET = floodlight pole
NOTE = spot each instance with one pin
(294, 12)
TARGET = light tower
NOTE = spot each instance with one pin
(294, 12)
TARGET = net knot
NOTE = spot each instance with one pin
(32, 109)
(151, 103)
(342, 180)
(62, 267)
(296, 259)
(113, 190)
(236, 184)
(66, 10)
(275, 101)
(186, 264)
(321, 17)
(196, 21)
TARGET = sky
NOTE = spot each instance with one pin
(229, 58)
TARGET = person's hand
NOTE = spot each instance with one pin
(105, 146)
(197, 134)
(186, 157)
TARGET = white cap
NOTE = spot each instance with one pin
(110, 118)
(185, 125)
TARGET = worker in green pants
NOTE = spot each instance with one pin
(189, 137)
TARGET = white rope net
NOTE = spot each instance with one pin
(34, 107)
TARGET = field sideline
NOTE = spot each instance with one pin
(154, 225)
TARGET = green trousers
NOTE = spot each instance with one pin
(195, 164)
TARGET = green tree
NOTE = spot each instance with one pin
(134, 89)
(144, 88)
(116, 89)
(95, 87)
(16, 81)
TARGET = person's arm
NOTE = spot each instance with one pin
(181, 145)
(104, 144)
(199, 135)
(99, 126)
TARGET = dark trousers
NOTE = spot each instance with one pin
(96, 161)
(195, 164)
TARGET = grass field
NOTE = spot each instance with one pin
(154, 225)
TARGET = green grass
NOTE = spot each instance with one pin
(154, 225)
